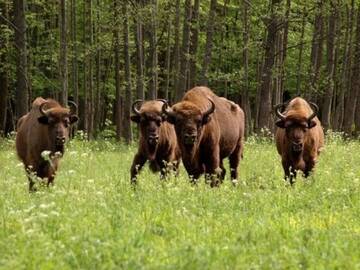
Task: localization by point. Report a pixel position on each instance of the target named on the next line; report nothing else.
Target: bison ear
(206, 119)
(280, 123)
(311, 124)
(43, 120)
(135, 118)
(73, 118)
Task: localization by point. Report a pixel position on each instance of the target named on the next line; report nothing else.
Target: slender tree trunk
(4, 80)
(316, 49)
(209, 42)
(180, 88)
(300, 57)
(350, 105)
(284, 48)
(245, 104)
(118, 97)
(176, 67)
(194, 43)
(327, 101)
(127, 108)
(63, 54)
(168, 60)
(139, 53)
(75, 76)
(265, 88)
(97, 99)
(153, 86)
(22, 84)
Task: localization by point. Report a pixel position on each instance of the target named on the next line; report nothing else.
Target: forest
(105, 54)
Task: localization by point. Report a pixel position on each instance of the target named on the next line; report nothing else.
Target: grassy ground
(93, 219)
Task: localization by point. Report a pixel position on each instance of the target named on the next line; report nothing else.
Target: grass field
(93, 219)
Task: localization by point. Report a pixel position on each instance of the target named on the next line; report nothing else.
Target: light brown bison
(299, 136)
(157, 142)
(208, 128)
(44, 128)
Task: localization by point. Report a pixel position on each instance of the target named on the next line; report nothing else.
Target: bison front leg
(288, 175)
(138, 163)
(212, 168)
(234, 159)
(309, 166)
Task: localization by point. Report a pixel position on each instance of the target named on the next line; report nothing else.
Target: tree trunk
(127, 108)
(139, 54)
(209, 42)
(194, 43)
(63, 54)
(97, 99)
(245, 101)
(168, 60)
(75, 76)
(265, 88)
(4, 80)
(22, 84)
(316, 49)
(176, 67)
(284, 48)
(153, 86)
(350, 105)
(300, 57)
(331, 39)
(117, 111)
(180, 88)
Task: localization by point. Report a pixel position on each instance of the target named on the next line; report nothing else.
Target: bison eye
(158, 122)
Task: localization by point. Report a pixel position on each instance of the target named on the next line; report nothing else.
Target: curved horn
(134, 109)
(315, 109)
(73, 106)
(41, 109)
(211, 109)
(277, 111)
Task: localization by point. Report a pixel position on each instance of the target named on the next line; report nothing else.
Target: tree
(265, 88)
(139, 51)
(118, 98)
(63, 54)
(181, 83)
(209, 43)
(3, 67)
(22, 84)
(194, 40)
(127, 107)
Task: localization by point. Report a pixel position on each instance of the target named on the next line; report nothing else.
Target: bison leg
(138, 163)
(212, 168)
(309, 167)
(223, 171)
(234, 159)
(287, 173)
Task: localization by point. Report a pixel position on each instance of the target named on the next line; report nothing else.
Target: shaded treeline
(104, 54)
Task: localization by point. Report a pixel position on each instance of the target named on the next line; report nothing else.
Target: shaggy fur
(216, 136)
(35, 135)
(162, 155)
(308, 138)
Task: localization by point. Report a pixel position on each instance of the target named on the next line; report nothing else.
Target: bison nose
(297, 146)
(60, 140)
(190, 138)
(153, 139)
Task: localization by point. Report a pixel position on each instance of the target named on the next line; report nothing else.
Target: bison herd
(201, 130)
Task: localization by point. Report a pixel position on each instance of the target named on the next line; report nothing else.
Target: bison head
(296, 127)
(188, 121)
(150, 118)
(58, 121)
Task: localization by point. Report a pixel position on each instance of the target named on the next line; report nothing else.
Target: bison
(208, 128)
(157, 142)
(44, 128)
(299, 136)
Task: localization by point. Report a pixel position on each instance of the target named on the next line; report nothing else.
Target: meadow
(93, 219)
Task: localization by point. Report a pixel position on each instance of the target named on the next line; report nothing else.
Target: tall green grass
(93, 219)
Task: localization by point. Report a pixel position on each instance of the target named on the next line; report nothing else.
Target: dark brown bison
(44, 128)
(208, 128)
(157, 142)
(299, 136)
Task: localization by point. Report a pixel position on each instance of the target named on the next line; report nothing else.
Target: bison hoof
(234, 182)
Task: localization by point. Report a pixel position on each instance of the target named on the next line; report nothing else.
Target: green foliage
(93, 219)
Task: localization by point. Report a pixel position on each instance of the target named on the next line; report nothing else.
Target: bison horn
(277, 111)
(41, 108)
(211, 109)
(134, 109)
(73, 106)
(315, 109)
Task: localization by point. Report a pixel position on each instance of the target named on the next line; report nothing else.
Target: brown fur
(312, 139)
(166, 153)
(218, 137)
(33, 138)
